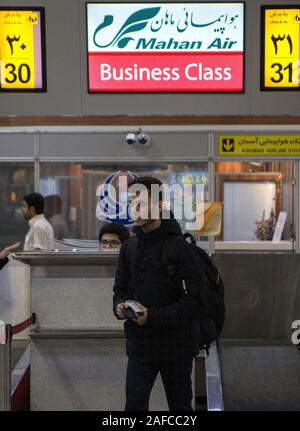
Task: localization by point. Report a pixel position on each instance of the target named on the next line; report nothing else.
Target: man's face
(144, 211)
(110, 240)
(25, 210)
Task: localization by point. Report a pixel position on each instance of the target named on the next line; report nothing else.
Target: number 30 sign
(22, 49)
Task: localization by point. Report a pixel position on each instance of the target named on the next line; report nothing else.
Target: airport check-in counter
(78, 359)
(260, 366)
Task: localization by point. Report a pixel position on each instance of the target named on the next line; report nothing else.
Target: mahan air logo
(135, 22)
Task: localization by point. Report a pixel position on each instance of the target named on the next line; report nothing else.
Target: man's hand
(7, 250)
(119, 311)
(140, 320)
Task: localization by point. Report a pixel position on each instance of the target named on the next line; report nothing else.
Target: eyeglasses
(113, 243)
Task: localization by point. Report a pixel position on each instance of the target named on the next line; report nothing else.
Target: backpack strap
(190, 236)
(167, 255)
(169, 245)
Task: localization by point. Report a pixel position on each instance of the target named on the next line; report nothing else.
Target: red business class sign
(169, 47)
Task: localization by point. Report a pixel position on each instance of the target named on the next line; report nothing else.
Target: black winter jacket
(168, 333)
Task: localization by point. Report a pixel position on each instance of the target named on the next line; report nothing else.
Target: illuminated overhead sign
(165, 47)
(259, 145)
(22, 49)
(280, 40)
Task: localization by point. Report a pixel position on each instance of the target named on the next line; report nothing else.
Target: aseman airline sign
(172, 47)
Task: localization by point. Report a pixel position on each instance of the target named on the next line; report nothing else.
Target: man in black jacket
(5, 253)
(162, 339)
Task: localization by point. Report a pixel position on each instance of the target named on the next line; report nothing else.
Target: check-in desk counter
(260, 366)
(262, 294)
(78, 359)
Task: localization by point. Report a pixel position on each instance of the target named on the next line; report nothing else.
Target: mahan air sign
(172, 47)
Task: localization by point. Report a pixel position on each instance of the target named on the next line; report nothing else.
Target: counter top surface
(94, 257)
(67, 258)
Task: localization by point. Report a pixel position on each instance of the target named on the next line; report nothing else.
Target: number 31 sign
(22, 49)
(280, 43)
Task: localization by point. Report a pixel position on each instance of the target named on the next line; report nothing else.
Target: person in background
(112, 235)
(53, 213)
(5, 253)
(40, 235)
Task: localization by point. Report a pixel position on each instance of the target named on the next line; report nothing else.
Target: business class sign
(165, 47)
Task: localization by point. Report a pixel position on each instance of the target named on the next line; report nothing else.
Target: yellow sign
(212, 219)
(245, 146)
(21, 49)
(281, 60)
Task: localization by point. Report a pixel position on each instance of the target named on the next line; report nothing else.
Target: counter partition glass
(73, 191)
(258, 205)
(16, 180)
(258, 199)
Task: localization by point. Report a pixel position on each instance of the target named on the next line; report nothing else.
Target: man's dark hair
(36, 201)
(115, 228)
(147, 182)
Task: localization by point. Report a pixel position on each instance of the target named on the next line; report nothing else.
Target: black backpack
(207, 326)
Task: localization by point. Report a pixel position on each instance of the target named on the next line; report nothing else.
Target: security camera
(143, 139)
(130, 138)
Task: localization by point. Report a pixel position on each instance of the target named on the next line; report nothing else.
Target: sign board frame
(258, 146)
(279, 70)
(107, 20)
(42, 65)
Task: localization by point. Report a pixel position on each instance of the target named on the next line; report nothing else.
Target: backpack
(207, 326)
